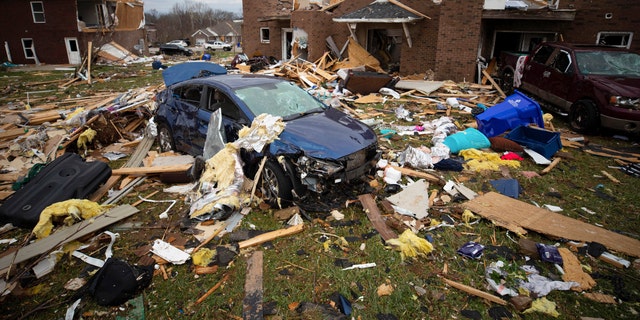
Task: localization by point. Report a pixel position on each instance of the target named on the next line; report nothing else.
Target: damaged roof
(385, 11)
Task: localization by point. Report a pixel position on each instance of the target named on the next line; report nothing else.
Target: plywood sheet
(517, 216)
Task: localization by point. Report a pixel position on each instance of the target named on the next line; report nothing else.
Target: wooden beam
(373, 213)
(141, 171)
(493, 82)
(252, 302)
(475, 292)
(270, 236)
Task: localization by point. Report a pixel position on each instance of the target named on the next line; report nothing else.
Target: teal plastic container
(467, 139)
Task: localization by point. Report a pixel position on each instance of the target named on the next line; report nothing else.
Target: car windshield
(283, 99)
(609, 63)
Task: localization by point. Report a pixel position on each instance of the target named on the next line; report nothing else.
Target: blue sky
(164, 6)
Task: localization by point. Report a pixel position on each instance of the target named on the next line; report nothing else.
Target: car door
(187, 119)
(232, 118)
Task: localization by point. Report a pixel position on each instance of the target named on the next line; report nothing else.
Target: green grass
(299, 269)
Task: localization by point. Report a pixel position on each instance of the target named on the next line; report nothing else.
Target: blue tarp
(189, 70)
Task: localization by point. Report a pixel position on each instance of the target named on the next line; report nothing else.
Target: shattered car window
(609, 63)
(283, 99)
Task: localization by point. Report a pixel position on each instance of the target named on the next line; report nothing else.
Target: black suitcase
(67, 177)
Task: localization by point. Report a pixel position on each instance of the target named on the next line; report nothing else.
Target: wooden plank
(493, 82)
(475, 292)
(141, 171)
(65, 235)
(270, 236)
(419, 174)
(252, 302)
(517, 216)
(373, 213)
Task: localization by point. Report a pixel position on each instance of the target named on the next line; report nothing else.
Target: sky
(164, 6)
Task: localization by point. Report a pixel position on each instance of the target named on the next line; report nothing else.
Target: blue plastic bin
(517, 109)
(467, 139)
(542, 141)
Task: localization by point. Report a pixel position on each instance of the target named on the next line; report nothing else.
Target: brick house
(227, 31)
(443, 36)
(58, 31)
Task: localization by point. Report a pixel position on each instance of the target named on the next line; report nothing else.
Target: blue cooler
(516, 110)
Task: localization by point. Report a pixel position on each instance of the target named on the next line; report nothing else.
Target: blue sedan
(319, 147)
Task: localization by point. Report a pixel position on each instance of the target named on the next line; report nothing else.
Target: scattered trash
(472, 250)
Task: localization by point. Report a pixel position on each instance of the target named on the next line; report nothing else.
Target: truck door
(533, 77)
(559, 81)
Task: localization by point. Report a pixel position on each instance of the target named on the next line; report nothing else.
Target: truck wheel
(584, 117)
(165, 139)
(227, 49)
(507, 82)
(275, 185)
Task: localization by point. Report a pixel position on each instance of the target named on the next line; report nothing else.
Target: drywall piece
(413, 200)
(424, 86)
(66, 234)
(517, 216)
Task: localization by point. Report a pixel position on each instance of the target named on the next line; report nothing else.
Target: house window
(37, 10)
(264, 35)
(617, 39)
(29, 50)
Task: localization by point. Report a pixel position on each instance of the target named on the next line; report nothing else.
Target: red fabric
(511, 156)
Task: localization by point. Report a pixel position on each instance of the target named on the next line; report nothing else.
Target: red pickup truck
(597, 86)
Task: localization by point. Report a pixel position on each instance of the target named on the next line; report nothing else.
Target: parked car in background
(597, 86)
(175, 49)
(179, 42)
(319, 147)
(217, 45)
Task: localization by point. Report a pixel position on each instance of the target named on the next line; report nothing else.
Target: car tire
(227, 49)
(507, 82)
(584, 117)
(165, 139)
(275, 185)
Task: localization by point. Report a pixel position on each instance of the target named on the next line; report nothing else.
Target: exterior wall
(16, 23)
(458, 40)
(253, 11)
(590, 19)
(447, 44)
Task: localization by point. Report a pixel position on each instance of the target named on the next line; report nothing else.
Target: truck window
(562, 61)
(542, 55)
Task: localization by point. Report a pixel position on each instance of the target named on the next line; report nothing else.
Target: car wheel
(584, 117)
(227, 49)
(165, 139)
(507, 82)
(275, 185)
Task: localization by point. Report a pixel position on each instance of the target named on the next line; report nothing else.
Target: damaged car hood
(327, 135)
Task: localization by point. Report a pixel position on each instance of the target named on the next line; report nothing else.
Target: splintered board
(517, 216)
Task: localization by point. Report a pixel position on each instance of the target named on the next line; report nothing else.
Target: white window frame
(264, 39)
(35, 13)
(629, 37)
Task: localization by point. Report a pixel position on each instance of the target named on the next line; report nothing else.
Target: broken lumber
(419, 174)
(373, 213)
(141, 171)
(550, 166)
(475, 292)
(214, 288)
(252, 302)
(270, 236)
(66, 234)
(493, 82)
(517, 216)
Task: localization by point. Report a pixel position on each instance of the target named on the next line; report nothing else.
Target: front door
(73, 53)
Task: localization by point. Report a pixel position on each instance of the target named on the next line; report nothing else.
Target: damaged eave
(542, 14)
(383, 11)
